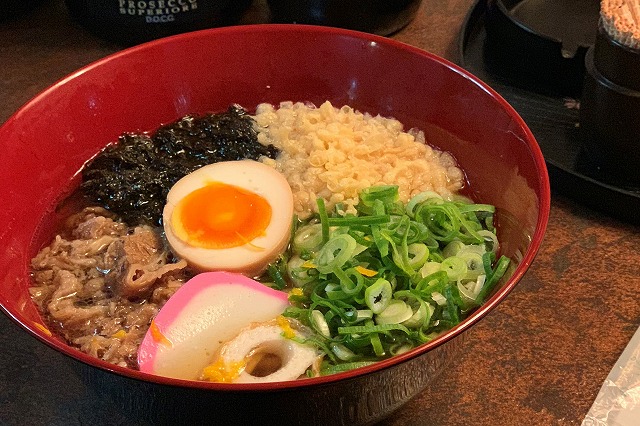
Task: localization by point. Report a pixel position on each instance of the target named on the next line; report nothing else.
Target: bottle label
(157, 11)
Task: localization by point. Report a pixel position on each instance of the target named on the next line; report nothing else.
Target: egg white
(249, 259)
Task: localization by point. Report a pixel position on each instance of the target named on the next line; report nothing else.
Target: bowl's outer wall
(47, 141)
(363, 400)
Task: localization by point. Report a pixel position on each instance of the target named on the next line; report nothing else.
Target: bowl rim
(471, 320)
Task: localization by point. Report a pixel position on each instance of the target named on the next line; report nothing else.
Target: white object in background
(618, 402)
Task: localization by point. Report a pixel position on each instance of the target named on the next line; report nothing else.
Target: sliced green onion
(453, 248)
(455, 267)
(339, 368)
(320, 323)
(473, 260)
(276, 275)
(356, 221)
(378, 239)
(441, 220)
(439, 298)
(308, 237)
(432, 283)
(365, 329)
(487, 260)
(429, 268)
(468, 294)
(453, 295)
(334, 292)
(467, 207)
(364, 314)
(421, 313)
(420, 198)
(361, 238)
(387, 194)
(378, 349)
(501, 268)
(396, 312)
(338, 307)
(453, 309)
(418, 255)
(324, 219)
(298, 274)
(391, 276)
(342, 352)
(419, 318)
(400, 348)
(378, 295)
(335, 253)
(490, 240)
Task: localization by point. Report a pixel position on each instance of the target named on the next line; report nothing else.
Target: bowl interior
(46, 142)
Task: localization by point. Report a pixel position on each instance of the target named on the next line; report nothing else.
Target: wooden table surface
(538, 359)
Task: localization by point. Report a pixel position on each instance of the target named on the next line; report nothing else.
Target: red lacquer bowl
(48, 140)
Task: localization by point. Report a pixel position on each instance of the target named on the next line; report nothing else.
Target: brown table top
(539, 358)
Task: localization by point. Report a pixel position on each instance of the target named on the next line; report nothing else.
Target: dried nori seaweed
(132, 178)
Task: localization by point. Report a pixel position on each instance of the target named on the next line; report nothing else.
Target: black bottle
(10, 9)
(381, 17)
(130, 22)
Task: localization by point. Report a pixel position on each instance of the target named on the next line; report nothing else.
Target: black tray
(554, 121)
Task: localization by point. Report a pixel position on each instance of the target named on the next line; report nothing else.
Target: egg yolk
(219, 216)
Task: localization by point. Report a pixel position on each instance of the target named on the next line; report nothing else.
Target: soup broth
(110, 270)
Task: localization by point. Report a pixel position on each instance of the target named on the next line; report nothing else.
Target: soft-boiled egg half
(230, 216)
